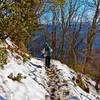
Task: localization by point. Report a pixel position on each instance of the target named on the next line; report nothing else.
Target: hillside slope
(32, 81)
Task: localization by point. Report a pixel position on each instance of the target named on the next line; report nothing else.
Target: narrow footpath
(55, 84)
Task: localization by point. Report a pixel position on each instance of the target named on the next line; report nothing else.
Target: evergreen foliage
(18, 18)
(3, 57)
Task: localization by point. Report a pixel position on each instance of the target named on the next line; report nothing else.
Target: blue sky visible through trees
(47, 17)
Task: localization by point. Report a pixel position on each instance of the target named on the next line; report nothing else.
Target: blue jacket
(47, 50)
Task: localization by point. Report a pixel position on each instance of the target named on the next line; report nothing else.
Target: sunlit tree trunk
(91, 35)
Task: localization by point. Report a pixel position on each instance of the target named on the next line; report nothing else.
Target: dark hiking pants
(47, 61)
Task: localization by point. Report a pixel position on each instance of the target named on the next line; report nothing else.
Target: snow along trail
(56, 84)
(67, 86)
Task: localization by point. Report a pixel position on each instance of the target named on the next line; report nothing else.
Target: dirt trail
(56, 83)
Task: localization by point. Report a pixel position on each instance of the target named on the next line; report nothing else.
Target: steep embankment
(21, 81)
(32, 81)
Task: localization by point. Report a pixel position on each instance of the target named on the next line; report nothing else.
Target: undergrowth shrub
(77, 68)
(3, 57)
(87, 75)
(16, 78)
(24, 52)
(24, 58)
(2, 41)
(95, 76)
(22, 47)
(21, 52)
(80, 83)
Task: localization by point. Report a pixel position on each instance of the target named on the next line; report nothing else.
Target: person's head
(46, 44)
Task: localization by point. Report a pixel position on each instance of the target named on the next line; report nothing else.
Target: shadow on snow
(1, 98)
(38, 66)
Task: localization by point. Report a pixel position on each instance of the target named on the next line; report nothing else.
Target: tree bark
(91, 35)
(63, 36)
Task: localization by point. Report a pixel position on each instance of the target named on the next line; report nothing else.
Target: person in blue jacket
(47, 54)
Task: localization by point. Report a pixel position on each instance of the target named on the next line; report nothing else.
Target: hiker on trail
(47, 54)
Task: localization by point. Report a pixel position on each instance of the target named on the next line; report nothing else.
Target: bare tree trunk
(70, 51)
(63, 36)
(91, 36)
(54, 34)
